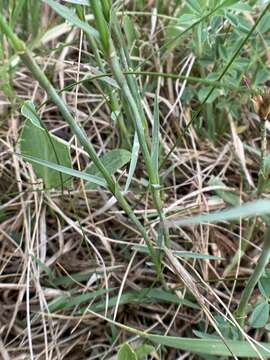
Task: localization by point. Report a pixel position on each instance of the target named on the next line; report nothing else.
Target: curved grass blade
(65, 170)
(72, 18)
(250, 209)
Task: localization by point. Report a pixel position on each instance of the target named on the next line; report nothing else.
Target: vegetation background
(134, 207)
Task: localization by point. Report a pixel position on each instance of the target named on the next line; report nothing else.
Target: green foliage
(36, 141)
(113, 161)
(264, 285)
(250, 209)
(213, 31)
(260, 315)
(72, 18)
(126, 353)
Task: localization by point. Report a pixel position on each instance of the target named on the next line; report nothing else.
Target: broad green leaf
(260, 315)
(113, 161)
(65, 170)
(72, 18)
(37, 141)
(264, 286)
(126, 353)
(144, 350)
(28, 110)
(249, 209)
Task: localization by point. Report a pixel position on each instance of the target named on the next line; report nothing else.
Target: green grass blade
(65, 170)
(133, 162)
(212, 346)
(155, 137)
(250, 209)
(71, 17)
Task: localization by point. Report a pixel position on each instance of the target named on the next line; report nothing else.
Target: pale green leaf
(113, 161)
(212, 346)
(126, 353)
(181, 254)
(144, 350)
(38, 142)
(134, 160)
(72, 18)
(264, 286)
(78, 2)
(250, 209)
(260, 315)
(62, 169)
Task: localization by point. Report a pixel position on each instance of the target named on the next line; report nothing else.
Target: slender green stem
(111, 94)
(113, 186)
(132, 100)
(253, 280)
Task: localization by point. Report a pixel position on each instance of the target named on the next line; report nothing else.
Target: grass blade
(250, 209)
(65, 170)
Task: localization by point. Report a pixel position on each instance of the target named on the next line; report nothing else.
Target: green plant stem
(113, 186)
(130, 95)
(253, 280)
(112, 96)
(265, 255)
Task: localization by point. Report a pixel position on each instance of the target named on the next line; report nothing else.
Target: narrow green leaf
(126, 353)
(36, 140)
(212, 346)
(145, 295)
(113, 161)
(250, 209)
(155, 137)
(183, 254)
(72, 18)
(79, 174)
(134, 160)
(69, 301)
(260, 315)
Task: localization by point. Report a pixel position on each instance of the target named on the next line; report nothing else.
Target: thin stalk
(112, 96)
(113, 186)
(253, 280)
(130, 95)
